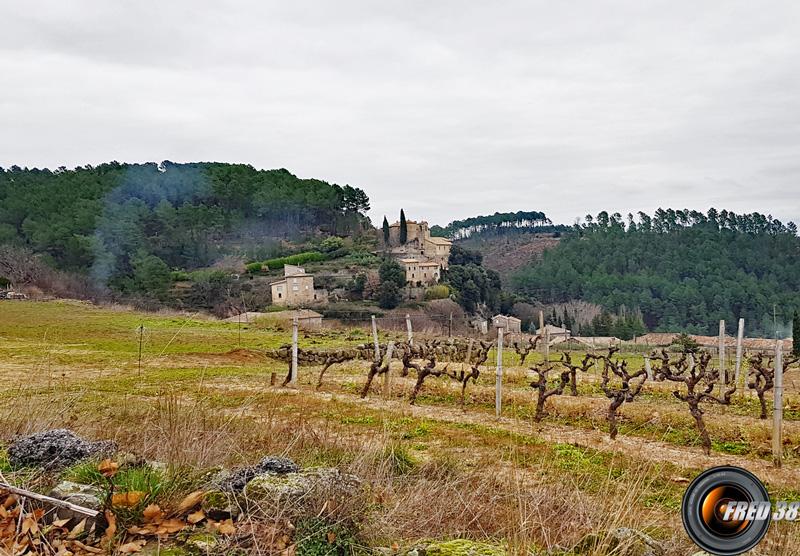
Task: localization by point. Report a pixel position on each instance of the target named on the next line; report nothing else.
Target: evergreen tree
(389, 295)
(385, 231)
(796, 334)
(403, 228)
(393, 279)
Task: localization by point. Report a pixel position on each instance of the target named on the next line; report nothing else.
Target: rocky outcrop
(297, 492)
(623, 541)
(54, 449)
(236, 479)
(86, 496)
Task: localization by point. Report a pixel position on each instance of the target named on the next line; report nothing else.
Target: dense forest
(497, 223)
(681, 269)
(116, 220)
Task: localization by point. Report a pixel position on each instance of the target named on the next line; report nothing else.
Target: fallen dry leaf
(170, 526)
(87, 548)
(111, 529)
(60, 522)
(127, 499)
(131, 547)
(190, 501)
(153, 513)
(77, 530)
(108, 468)
(196, 517)
(226, 527)
(29, 526)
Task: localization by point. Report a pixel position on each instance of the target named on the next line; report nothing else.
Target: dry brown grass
(451, 494)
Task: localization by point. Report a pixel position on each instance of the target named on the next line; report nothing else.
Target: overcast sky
(448, 109)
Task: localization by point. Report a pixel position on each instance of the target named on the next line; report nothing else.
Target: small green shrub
(254, 268)
(5, 466)
(320, 537)
(731, 447)
(298, 259)
(439, 291)
(330, 244)
(399, 459)
(134, 478)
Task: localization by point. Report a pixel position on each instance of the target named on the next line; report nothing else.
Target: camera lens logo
(726, 510)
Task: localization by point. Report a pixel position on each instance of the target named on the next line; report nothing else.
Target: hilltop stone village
(422, 256)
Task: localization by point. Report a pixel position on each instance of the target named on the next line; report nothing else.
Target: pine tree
(796, 334)
(385, 231)
(403, 228)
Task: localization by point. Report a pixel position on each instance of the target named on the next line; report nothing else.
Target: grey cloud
(449, 109)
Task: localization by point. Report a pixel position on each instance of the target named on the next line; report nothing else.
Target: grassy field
(201, 397)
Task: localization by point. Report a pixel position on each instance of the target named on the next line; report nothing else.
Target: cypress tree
(796, 334)
(385, 231)
(403, 228)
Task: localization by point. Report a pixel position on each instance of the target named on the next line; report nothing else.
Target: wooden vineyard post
(375, 340)
(387, 376)
(777, 407)
(498, 390)
(648, 368)
(293, 376)
(547, 347)
(409, 330)
(737, 374)
(723, 372)
(141, 334)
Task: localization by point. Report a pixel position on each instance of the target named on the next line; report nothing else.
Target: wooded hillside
(683, 269)
(109, 219)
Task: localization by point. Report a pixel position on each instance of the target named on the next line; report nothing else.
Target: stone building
(419, 243)
(295, 289)
(421, 272)
(508, 323)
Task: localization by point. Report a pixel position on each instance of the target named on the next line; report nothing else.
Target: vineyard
(622, 431)
(691, 373)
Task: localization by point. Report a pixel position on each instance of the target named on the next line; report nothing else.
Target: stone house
(296, 288)
(554, 332)
(508, 323)
(419, 243)
(421, 272)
